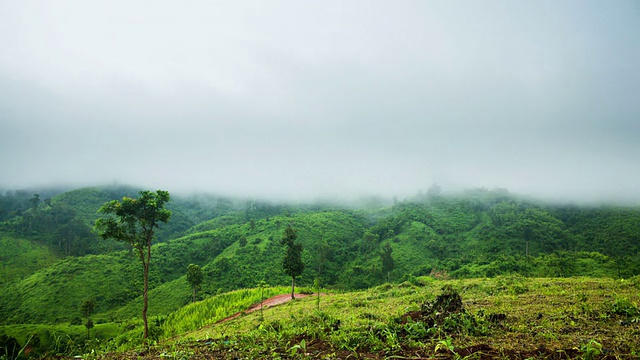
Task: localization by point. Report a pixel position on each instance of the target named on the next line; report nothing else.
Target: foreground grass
(504, 317)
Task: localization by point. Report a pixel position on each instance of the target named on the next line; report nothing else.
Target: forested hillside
(52, 260)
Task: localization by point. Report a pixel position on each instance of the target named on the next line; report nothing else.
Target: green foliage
(9, 347)
(591, 350)
(134, 222)
(87, 307)
(194, 278)
(481, 234)
(209, 311)
(387, 259)
(624, 307)
(21, 257)
(381, 322)
(49, 340)
(53, 294)
(292, 262)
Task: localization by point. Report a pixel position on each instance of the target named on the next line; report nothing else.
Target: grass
(504, 317)
(208, 312)
(163, 299)
(21, 257)
(52, 295)
(61, 339)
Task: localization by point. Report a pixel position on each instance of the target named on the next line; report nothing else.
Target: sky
(323, 99)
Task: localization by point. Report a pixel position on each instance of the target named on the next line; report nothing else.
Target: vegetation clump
(446, 303)
(444, 315)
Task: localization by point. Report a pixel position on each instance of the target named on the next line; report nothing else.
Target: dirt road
(273, 301)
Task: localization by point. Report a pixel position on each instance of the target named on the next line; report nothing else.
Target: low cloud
(336, 100)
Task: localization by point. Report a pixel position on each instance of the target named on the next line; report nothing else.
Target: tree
(434, 191)
(134, 221)
(262, 284)
(387, 260)
(292, 262)
(194, 277)
(86, 309)
(35, 201)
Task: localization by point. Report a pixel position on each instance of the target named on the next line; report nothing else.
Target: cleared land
(504, 317)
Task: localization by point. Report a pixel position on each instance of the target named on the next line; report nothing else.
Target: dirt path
(273, 301)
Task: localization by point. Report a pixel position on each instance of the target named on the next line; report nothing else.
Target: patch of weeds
(624, 307)
(582, 297)
(383, 288)
(369, 316)
(415, 330)
(358, 303)
(512, 284)
(446, 346)
(406, 284)
(349, 340)
(300, 347)
(591, 350)
(445, 314)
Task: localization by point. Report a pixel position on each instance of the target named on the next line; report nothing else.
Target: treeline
(64, 220)
(56, 224)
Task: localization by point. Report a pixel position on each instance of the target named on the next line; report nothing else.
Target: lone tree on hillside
(86, 309)
(292, 262)
(387, 260)
(134, 221)
(194, 277)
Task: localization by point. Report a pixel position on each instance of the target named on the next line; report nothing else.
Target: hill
(22, 257)
(503, 317)
(237, 243)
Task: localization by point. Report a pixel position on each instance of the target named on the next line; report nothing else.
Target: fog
(331, 99)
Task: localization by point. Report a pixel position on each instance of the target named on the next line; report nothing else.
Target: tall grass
(207, 312)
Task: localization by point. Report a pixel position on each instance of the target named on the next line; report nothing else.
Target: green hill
(52, 261)
(21, 257)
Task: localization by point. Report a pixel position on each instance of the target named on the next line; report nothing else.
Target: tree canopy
(134, 221)
(292, 262)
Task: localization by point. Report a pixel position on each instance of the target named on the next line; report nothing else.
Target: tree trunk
(145, 293)
(293, 285)
(194, 293)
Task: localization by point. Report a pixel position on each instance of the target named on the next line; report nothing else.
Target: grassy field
(21, 257)
(503, 317)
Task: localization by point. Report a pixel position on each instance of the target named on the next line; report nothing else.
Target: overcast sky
(306, 99)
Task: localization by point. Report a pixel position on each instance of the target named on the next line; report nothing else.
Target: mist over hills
(323, 100)
(335, 118)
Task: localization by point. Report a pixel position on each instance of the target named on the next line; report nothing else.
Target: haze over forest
(300, 100)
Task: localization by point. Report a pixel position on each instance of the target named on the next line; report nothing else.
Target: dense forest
(52, 260)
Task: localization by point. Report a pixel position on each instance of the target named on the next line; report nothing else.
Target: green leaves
(194, 278)
(134, 220)
(292, 262)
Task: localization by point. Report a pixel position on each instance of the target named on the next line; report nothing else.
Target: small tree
(134, 221)
(387, 260)
(316, 284)
(194, 277)
(86, 309)
(292, 262)
(262, 284)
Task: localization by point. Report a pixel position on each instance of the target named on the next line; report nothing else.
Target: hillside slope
(237, 243)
